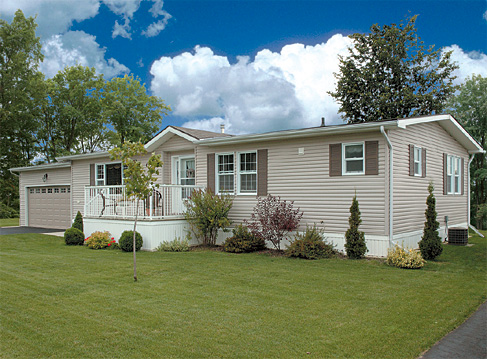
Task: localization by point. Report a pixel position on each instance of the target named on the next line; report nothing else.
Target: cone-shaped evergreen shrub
(430, 244)
(78, 222)
(354, 239)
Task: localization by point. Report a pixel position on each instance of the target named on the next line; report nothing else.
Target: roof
(448, 122)
(48, 166)
(201, 134)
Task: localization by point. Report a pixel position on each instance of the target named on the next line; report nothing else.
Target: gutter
(391, 188)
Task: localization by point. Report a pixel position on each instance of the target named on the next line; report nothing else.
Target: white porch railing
(112, 202)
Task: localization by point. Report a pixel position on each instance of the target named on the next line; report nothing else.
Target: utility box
(458, 236)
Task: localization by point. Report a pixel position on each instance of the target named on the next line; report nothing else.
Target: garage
(49, 207)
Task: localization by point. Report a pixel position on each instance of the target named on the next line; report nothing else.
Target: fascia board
(41, 167)
(166, 135)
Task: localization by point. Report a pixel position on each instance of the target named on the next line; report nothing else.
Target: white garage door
(49, 207)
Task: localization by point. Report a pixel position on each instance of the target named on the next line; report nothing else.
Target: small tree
(273, 218)
(139, 182)
(354, 239)
(430, 244)
(206, 213)
(78, 221)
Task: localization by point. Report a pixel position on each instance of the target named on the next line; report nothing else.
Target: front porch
(112, 202)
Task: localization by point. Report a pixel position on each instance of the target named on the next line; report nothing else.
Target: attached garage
(49, 207)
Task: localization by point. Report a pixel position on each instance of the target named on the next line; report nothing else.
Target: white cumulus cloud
(278, 90)
(77, 47)
(53, 16)
(469, 63)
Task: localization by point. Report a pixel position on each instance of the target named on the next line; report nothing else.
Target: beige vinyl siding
(175, 146)
(56, 176)
(305, 179)
(410, 192)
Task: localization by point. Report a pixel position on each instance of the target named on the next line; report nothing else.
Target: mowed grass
(71, 302)
(9, 222)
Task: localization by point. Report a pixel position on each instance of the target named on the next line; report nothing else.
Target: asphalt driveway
(22, 230)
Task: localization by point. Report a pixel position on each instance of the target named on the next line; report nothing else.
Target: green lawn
(71, 302)
(9, 222)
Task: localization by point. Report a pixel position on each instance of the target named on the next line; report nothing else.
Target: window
(353, 158)
(31, 190)
(418, 166)
(247, 172)
(56, 190)
(225, 173)
(38, 190)
(69, 189)
(453, 178)
(63, 190)
(100, 175)
(109, 174)
(49, 190)
(43, 190)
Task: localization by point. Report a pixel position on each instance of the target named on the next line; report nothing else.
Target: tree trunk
(135, 226)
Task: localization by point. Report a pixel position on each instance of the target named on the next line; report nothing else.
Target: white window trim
(452, 162)
(104, 164)
(217, 174)
(239, 172)
(176, 166)
(418, 161)
(344, 161)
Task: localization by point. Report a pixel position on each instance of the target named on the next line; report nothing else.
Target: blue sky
(253, 65)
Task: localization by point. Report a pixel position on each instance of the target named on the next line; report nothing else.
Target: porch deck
(112, 202)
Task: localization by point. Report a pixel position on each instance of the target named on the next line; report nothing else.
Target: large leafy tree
(71, 120)
(469, 106)
(20, 80)
(390, 74)
(134, 114)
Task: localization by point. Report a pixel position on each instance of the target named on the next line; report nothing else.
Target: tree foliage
(130, 110)
(20, 55)
(430, 244)
(273, 218)
(390, 74)
(469, 106)
(354, 239)
(139, 181)
(207, 213)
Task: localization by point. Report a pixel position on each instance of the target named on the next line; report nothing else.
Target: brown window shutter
(92, 174)
(262, 172)
(423, 162)
(445, 173)
(371, 157)
(335, 166)
(462, 189)
(210, 175)
(411, 160)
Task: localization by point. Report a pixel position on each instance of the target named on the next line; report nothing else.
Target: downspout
(391, 182)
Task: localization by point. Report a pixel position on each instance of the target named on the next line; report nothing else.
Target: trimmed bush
(310, 245)
(177, 245)
(74, 237)
(354, 239)
(430, 243)
(99, 240)
(127, 239)
(8, 212)
(243, 241)
(78, 221)
(404, 258)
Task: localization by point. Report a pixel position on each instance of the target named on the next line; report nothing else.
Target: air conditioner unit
(458, 236)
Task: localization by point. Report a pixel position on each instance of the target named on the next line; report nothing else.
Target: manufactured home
(388, 165)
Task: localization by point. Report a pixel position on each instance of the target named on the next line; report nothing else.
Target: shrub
(430, 243)
(74, 237)
(126, 241)
(206, 213)
(354, 239)
(310, 245)
(78, 221)
(243, 241)
(481, 216)
(404, 258)
(177, 245)
(273, 218)
(8, 212)
(99, 240)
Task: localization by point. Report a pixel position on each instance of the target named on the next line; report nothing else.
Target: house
(388, 165)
